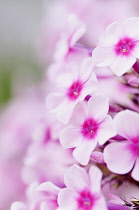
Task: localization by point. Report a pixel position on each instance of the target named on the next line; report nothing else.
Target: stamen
(124, 50)
(87, 203)
(75, 93)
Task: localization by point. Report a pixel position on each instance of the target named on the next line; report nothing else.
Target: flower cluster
(77, 147)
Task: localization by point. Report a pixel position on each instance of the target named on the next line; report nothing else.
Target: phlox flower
(122, 157)
(46, 160)
(119, 46)
(73, 32)
(40, 197)
(71, 87)
(82, 190)
(89, 124)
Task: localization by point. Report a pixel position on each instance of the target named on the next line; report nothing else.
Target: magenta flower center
(89, 128)
(125, 46)
(134, 148)
(85, 200)
(75, 90)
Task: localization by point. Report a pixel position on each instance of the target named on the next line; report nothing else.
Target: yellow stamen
(124, 50)
(75, 93)
(86, 203)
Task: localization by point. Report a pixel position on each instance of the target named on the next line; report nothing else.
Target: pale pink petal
(127, 124)
(131, 27)
(48, 187)
(64, 80)
(18, 206)
(135, 51)
(67, 199)
(53, 101)
(106, 130)
(114, 32)
(100, 204)
(89, 87)
(103, 56)
(65, 113)
(135, 172)
(118, 158)
(79, 114)
(77, 35)
(83, 151)
(76, 178)
(86, 69)
(122, 64)
(95, 175)
(70, 137)
(98, 107)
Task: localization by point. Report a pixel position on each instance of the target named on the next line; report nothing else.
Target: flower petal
(131, 27)
(135, 172)
(103, 56)
(18, 206)
(98, 107)
(76, 178)
(122, 64)
(79, 114)
(48, 187)
(129, 128)
(70, 137)
(83, 151)
(106, 130)
(113, 33)
(67, 200)
(118, 158)
(95, 179)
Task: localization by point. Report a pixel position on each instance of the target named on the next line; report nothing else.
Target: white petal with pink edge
(76, 178)
(83, 151)
(118, 158)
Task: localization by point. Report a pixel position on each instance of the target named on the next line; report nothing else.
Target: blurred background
(19, 29)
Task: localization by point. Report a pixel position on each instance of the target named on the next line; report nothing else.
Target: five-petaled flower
(83, 190)
(89, 124)
(119, 46)
(72, 87)
(121, 157)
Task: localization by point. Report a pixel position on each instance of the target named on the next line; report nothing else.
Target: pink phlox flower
(119, 46)
(83, 190)
(74, 31)
(122, 157)
(46, 161)
(72, 87)
(40, 197)
(89, 124)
